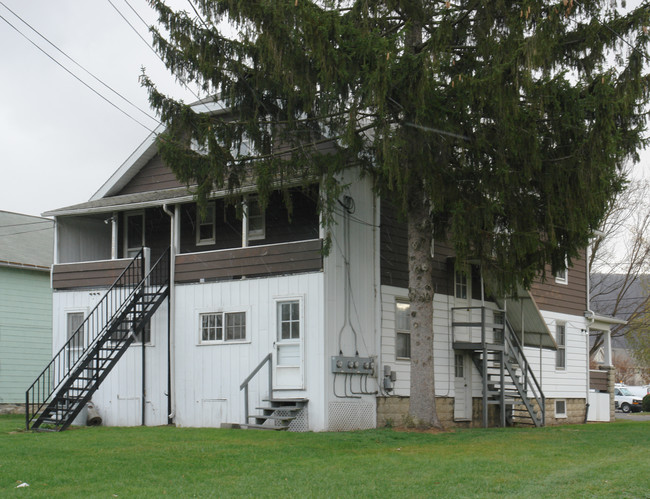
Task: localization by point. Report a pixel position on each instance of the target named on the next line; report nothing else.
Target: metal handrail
(244, 385)
(73, 350)
(518, 351)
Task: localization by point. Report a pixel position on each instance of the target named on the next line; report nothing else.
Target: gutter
(171, 320)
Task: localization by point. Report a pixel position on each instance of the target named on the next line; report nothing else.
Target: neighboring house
(246, 317)
(26, 244)
(626, 298)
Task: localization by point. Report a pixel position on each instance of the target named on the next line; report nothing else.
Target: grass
(596, 460)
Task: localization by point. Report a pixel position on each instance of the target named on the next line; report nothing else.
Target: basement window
(560, 409)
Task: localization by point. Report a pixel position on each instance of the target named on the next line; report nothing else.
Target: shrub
(645, 403)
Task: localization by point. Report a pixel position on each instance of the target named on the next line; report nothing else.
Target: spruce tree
(501, 126)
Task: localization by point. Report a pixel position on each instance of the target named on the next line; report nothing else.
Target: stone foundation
(392, 411)
(12, 408)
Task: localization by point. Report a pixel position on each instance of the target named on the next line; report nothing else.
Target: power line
(26, 223)
(75, 76)
(79, 65)
(153, 50)
(25, 231)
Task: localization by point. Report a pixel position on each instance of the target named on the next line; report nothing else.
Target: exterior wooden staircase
(68, 382)
(508, 381)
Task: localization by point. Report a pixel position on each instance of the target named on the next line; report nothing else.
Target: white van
(625, 400)
(639, 391)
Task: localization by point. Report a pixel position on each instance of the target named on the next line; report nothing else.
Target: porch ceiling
(523, 311)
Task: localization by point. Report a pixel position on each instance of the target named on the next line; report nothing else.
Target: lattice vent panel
(345, 416)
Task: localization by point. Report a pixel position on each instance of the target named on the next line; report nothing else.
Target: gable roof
(26, 241)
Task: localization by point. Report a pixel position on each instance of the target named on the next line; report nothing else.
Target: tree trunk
(422, 408)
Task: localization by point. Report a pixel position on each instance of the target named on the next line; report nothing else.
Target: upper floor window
(561, 275)
(205, 233)
(560, 339)
(256, 218)
(402, 330)
(460, 285)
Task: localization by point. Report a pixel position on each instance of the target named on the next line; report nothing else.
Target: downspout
(590, 316)
(171, 364)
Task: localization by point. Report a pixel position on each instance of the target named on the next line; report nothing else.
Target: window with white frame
(134, 233)
(289, 320)
(560, 339)
(459, 365)
(256, 218)
(561, 275)
(560, 409)
(219, 327)
(205, 227)
(74, 322)
(402, 329)
(460, 285)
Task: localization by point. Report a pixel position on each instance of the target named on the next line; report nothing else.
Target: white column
(114, 242)
(244, 224)
(608, 347)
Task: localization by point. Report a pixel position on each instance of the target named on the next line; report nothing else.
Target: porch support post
(244, 224)
(608, 347)
(114, 220)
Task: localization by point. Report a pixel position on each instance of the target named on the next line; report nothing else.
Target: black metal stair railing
(528, 384)
(78, 368)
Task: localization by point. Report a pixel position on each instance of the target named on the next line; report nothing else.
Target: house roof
(26, 241)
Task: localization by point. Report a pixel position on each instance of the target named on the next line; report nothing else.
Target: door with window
(289, 361)
(462, 387)
(133, 233)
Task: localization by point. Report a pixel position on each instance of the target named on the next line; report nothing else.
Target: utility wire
(183, 82)
(79, 65)
(75, 76)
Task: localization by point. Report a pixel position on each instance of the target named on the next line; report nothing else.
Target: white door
(462, 387)
(289, 362)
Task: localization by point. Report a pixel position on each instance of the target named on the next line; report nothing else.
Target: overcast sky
(59, 142)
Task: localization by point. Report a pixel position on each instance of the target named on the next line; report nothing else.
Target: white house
(245, 321)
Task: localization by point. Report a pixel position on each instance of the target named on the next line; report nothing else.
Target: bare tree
(620, 262)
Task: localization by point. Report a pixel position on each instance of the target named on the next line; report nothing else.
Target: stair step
(283, 408)
(273, 417)
(263, 427)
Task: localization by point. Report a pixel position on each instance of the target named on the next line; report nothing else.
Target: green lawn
(596, 460)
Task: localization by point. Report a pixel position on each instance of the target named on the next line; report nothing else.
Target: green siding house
(26, 246)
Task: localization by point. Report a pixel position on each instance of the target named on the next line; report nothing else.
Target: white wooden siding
(556, 383)
(208, 376)
(83, 239)
(119, 398)
(352, 413)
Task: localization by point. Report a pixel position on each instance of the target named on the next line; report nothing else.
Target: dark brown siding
(87, 274)
(394, 247)
(598, 380)
(289, 258)
(227, 228)
(153, 176)
(568, 298)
